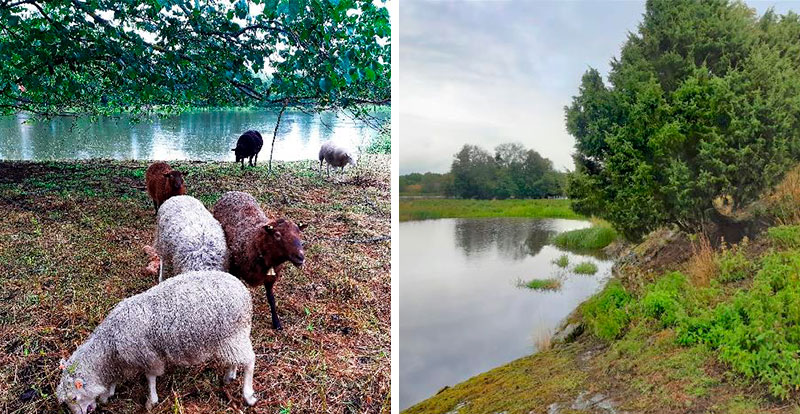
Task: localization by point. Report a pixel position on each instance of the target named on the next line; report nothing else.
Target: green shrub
(606, 313)
(664, 300)
(562, 261)
(585, 268)
(787, 237)
(592, 238)
(733, 265)
(758, 332)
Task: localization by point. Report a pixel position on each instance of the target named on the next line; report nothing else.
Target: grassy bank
(424, 209)
(695, 331)
(71, 238)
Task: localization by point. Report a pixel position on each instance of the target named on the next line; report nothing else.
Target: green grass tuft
(585, 268)
(592, 238)
(542, 284)
(787, 237)
(562, 261)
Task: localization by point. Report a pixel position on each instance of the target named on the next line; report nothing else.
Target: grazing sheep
(334, 155)
(163, 182)
(187, 320)
(257, 246)
(248, 145)
(188, 238)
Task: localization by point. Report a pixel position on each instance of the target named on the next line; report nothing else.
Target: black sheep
(248, 145)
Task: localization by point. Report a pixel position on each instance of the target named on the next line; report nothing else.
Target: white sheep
(189, 238)
(334, 155)
(186, 320)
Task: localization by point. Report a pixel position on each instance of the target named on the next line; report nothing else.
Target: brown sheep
(163, 182)
(258, 246)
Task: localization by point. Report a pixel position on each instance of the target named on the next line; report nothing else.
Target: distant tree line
(426, 184)
(511, 172)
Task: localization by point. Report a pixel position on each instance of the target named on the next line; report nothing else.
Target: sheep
(163, 182)
(248, 145)
(258, 246)
(188, 238)
(334, 155)
(187, 320)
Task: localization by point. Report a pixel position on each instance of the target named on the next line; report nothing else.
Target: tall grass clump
(606, 313)
(593, 238)
(702, 266)
(782, 202)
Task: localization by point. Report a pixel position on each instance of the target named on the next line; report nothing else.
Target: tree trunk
(275, 134)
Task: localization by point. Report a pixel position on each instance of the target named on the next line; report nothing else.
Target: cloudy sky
(488, 72)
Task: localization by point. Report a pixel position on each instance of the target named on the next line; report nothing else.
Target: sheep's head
(350, 159)
(77, 390)
(176, 183)
(284, 240)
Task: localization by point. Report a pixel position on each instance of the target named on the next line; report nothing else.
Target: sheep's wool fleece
(185, 320)
(242, 218)
(189, 238)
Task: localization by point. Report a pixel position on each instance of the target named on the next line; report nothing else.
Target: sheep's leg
(152, 399)
(329, 171)
(255, 161)
(108, 394)
(160, 271)
(250, 161)
(247, 384)
(230, 375)
(320, 168)
(155, 206)
(243, 163)
(276, 323)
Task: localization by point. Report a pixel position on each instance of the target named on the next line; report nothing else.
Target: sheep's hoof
(251, 399)
(150, 404)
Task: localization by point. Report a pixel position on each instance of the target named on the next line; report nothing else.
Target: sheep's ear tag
(271, 271)
(269, 228)
(302, 226)
(78, 384)
(61, 365)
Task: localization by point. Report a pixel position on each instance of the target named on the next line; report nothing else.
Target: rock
(28, 395)
(568, 333)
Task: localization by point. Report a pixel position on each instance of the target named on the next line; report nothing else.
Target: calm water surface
(196, 135)
(461, 312)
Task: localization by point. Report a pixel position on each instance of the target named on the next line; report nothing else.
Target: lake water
(461, 312)
(206, 135)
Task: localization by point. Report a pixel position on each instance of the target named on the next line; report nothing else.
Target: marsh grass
(702, 266)
(540, 284)
(436, 208)
(585, 268)
(562, 261)
(71, 247)
(593, 238)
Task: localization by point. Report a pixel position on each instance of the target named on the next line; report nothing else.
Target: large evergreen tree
(703, 104)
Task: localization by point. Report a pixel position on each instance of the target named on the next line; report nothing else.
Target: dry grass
(71, 238)
(543, 340)
(702, 266)
(785, 197)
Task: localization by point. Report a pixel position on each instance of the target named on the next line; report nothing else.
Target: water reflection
(461, 312)
(196, 135)
(512, 238)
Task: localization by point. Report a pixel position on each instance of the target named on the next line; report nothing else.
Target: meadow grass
(71, 246)
(430, 208)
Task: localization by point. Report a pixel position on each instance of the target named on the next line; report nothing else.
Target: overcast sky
(488, 72)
